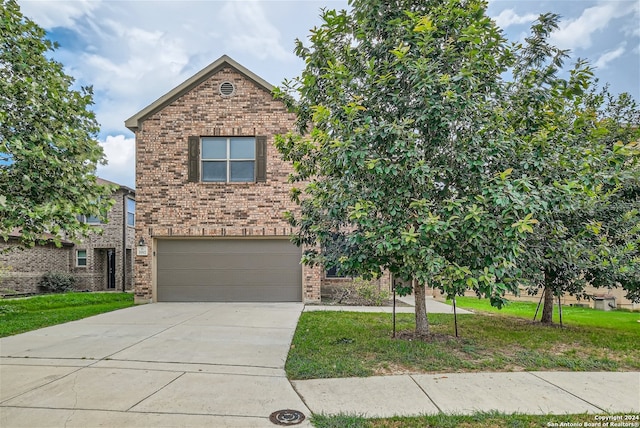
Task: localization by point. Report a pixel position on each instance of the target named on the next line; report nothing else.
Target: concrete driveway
(158, 365)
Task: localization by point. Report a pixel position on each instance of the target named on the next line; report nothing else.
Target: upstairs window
(89, 219)
(131, 212)
(227, 159)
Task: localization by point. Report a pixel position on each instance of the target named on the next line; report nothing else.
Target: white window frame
(89, 219)
(85, 258)
(227, 160)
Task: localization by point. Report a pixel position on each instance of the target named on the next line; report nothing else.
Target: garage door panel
(215, 277)
(248, 270)
(226, 294)
(227, 261)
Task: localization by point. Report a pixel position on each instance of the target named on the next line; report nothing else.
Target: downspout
(124, 240)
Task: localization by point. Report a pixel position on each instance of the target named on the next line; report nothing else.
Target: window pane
(214, 171)
(131, 212)
(81, 258)
(214, 148)
(333, 273)
(93, 219)
(243, 148)
(242, 171)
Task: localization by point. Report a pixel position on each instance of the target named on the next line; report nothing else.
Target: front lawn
(21, 315)
(346, 344)
(571, 315)
(478, 420)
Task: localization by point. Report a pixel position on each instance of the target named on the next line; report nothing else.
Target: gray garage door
(228, 270)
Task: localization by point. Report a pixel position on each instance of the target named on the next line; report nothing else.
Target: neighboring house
(211, 193)
(96, 262)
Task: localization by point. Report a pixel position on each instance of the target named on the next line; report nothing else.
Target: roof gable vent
(227, 89)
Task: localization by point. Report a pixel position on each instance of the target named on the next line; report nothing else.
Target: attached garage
(228, 270)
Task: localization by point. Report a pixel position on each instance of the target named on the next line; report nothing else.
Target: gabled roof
(120, 186)
(133, 123)
(16, 233)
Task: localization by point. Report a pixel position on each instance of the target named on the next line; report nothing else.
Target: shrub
(362, 292)
(57, 282)
(4, 270)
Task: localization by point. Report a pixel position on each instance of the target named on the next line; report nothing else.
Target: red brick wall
(169, 205)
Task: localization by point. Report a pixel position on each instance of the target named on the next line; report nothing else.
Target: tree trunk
(422, 322)
(547, 309)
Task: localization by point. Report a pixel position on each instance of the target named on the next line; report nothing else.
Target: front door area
(111, 269)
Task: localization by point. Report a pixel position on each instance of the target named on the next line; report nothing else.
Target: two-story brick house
(101, 261)
(211, 193)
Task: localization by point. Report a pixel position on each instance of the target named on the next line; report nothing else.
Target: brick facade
(26, 267)
(168, 205)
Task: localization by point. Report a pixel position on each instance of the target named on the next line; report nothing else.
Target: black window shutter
(261, 159)
(194, 159)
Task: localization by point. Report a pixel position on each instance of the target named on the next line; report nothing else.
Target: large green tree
(578, 147)
(618, 262)
(413, 155)
(48, 149)
(399, 145)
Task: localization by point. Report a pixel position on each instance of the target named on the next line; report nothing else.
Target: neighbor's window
(89, 219)
(333, 273)
(228, 159)
(81, 258)
(131, 212)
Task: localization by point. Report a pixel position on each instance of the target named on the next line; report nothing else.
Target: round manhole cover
(286, 417)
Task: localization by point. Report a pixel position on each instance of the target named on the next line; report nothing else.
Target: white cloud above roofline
(120, 152)
(609, 56)
(50, 14)
(578, 33)
(509, 17)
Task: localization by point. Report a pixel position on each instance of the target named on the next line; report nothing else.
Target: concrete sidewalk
(464, 393)
(433, 307)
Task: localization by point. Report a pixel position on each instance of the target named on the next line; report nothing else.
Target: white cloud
(51, 14)
(609, 56)
(149, 64)
(577, 33)
(632, 29)
(120, 151)
(509, 17)
(258, 37)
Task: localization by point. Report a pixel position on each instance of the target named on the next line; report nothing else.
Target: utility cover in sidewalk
(286, 417)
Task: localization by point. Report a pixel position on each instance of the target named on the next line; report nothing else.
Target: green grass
(571, 315)
(347, 344)
(484, 420)
(21, 315)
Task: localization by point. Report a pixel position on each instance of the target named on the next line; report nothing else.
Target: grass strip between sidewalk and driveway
(352, 344)
(26, 314)
(477, 420)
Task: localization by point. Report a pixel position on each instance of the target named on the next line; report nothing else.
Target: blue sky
(132, 52)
